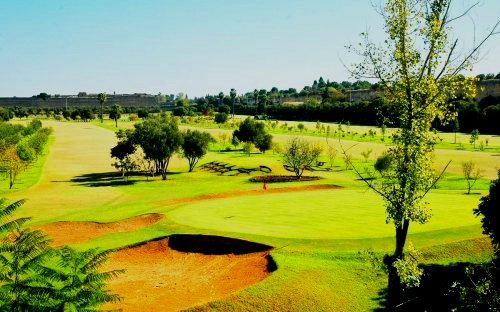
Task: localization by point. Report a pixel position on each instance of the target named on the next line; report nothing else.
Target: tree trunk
(394, 282)
(102, 117)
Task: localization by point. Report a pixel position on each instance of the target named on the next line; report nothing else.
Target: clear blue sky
(191, 46)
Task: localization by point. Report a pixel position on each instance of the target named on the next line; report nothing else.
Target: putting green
(332, 214)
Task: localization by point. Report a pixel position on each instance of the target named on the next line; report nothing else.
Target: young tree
(299, 155)
(195, 146)
(366, 154)
(102, 97)
(331, 153)
(159, 138)
(418, 68)
(12, 164)
(115, 113)
(471, 174)
(474, 136)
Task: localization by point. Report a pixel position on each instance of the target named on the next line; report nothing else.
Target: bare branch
(435, 180)
(463, 14)
(476, 48)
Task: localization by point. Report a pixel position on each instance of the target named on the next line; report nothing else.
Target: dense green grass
(316, 234)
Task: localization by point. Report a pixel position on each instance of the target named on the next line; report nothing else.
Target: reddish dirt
(159, 278)
(70, 232)
(248, 192)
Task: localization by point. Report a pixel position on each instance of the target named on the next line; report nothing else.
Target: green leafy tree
(159, 138)
(102, 98)
(123, 151)
(195, 146)
(418, 69)
(474, 136)
(249, 130)
(299, 155)
(264, 142)
(115, 113)
(220, 118)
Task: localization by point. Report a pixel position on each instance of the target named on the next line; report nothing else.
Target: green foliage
(418, 79)
(471, 174)
(36, 277)
(115, 113)
(20, 146)
(474, 136)
(264, 142)
(221, 117)
(123, 152)
(489, 210)
(22, 254)
(407, 268)
(159, 138)
(77, 282)
(195, 146)
(254, 132)
(299, 155)
(102, 98)
(383, 163)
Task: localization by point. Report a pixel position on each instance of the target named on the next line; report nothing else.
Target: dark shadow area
(214, 245)
(104, 179)
(113, 178)
(435, 292)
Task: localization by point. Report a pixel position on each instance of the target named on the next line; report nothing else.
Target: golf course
(207, 240)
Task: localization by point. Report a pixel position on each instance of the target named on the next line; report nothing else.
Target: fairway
(316, 227)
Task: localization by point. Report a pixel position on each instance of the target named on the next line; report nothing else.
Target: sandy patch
(159, 277)
(70, 232)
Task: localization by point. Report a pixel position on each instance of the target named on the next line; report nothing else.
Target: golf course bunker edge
(180, 271)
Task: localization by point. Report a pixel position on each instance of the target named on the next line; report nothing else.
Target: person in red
(264, 186)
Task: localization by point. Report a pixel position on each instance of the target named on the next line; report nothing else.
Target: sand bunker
(70, 232)
(181, 271)
(248, 192)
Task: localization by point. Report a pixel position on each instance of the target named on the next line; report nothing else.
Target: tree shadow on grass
(115, 178)
(104, 179)
(435, 292)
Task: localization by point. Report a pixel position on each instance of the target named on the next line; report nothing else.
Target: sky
(196, 47)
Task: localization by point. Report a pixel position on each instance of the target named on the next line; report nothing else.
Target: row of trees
(37, 277)
(151, 144)
(20, 146)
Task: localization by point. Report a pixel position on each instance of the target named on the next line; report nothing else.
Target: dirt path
(248, 193)
(68, 232)
(159, 278)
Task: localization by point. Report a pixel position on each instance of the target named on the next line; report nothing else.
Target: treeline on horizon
(323, 101)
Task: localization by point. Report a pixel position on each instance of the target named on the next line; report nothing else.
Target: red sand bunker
(70, 232)
(162, 277)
